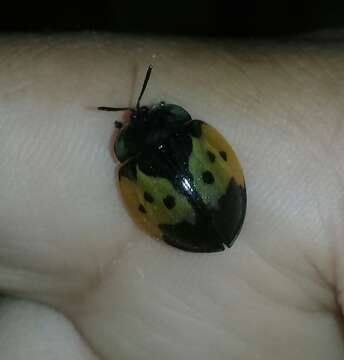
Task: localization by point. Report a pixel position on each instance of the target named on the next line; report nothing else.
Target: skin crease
(67, 241)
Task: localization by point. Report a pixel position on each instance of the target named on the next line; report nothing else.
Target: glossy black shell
(180, 179)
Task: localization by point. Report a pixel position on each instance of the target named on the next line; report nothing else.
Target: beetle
(180, 179)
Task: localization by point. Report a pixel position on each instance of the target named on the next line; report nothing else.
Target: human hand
(67, 240)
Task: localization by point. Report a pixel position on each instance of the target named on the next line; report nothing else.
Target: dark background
(203, 17)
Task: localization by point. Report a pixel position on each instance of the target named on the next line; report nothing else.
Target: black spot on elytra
(223, 155)
(169, 202)
(142, 209)
(148, 197)
(211, 156)
(208, 177)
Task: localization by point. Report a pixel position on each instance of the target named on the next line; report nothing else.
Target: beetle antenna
(145, 82)
(106, 108)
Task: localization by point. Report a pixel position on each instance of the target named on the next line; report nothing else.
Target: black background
(203, 17)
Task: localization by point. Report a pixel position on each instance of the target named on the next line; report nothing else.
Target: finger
(36, 332)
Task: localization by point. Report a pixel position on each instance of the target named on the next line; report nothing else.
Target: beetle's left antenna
(145, 82)
(106, 108)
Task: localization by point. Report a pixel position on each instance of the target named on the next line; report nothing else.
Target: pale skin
(68, 242)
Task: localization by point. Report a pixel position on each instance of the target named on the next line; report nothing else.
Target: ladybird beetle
(180, 179)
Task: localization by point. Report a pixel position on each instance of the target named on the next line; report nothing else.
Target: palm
(273, 295)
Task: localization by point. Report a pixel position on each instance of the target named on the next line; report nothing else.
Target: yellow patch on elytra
(159, 188)
(212, 137)
(155, 211)
(199, 164)
(129, 190)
